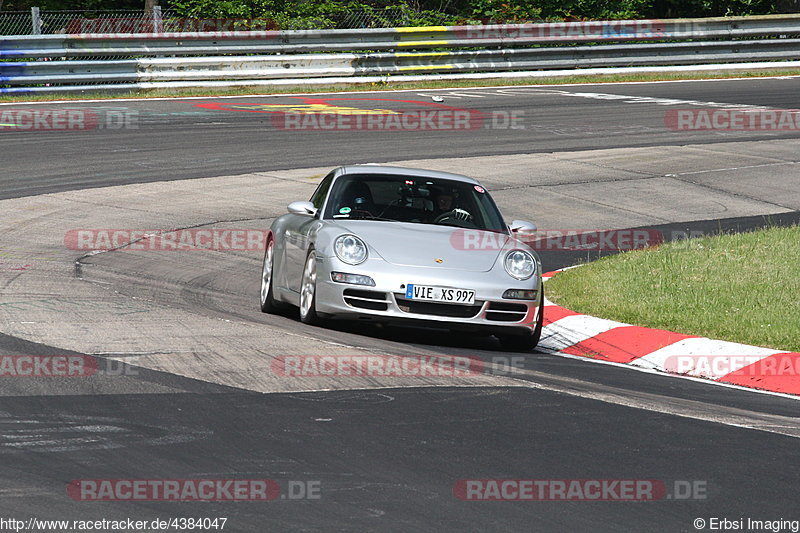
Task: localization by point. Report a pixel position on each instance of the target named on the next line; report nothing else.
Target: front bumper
(385, 302)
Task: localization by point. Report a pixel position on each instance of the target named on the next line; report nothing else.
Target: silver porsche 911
(400, 244)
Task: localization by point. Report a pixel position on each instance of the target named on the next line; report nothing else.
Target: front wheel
(525, 343)
(268, 302)
(308, 291)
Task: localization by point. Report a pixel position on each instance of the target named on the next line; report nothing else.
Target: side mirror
(302, 208)
(522, 226)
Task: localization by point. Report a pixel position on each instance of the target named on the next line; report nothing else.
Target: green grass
(395, 84)
(741, 287)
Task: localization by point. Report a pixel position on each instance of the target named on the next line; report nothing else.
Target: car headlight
(350, 249)
(519, 264)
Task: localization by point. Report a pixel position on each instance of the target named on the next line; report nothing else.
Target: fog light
(353, 279)
(520, 294)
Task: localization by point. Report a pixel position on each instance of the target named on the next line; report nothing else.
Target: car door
(299, 234)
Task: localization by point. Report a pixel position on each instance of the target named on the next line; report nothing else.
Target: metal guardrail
(254, 42)
(345, 64)
(766, 38)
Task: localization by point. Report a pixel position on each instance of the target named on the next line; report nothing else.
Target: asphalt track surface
(387, 459)
(177, 139)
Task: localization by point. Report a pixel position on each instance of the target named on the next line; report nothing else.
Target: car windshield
(400, 198)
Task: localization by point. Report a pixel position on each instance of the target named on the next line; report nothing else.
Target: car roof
(403, 171)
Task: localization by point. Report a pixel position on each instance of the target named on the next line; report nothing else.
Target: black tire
(308, 291)
(267, 299)
(525, 343)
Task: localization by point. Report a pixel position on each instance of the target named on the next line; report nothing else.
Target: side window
(318, 198)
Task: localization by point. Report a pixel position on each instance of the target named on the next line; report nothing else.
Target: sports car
(393, 244)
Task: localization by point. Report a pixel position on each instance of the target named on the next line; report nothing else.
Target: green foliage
(212, 8)
(52, 5)
(526, 10)
(328, 13)
(506, 10)
(375, 13)
(289, 14)
(426, 17)
(600, 9)
(713, 8)
(748, 7)
(285, 21)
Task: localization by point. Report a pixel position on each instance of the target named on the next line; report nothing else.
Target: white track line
(389, 91)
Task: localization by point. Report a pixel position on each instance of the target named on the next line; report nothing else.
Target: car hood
(426, 245)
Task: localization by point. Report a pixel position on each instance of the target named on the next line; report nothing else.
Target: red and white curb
(575, 334)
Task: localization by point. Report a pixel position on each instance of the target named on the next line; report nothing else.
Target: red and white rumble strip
(572, 333)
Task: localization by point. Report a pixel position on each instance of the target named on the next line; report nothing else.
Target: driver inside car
(444, 207)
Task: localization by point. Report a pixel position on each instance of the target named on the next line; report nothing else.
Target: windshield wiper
(454, 226)
(378, 218)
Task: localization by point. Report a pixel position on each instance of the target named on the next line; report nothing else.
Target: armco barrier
(219, 56)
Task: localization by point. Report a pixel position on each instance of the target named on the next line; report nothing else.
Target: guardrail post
(36, 21)
(158, 21)
(724, 40)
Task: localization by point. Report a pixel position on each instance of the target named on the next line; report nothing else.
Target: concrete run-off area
(194, 313)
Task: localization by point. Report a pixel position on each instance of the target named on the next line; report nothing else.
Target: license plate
(440, 294)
